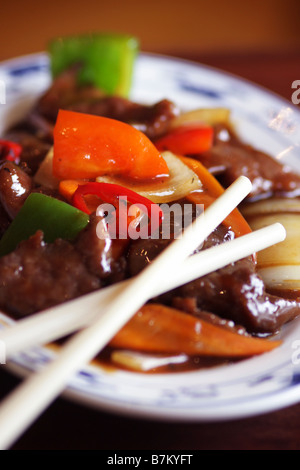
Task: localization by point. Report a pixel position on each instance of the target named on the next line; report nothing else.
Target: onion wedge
(44, 175)
(181, 182)
(211, 116)
(142, 362)
(279, 265)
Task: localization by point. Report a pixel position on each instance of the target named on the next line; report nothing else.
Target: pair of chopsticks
(171, 268)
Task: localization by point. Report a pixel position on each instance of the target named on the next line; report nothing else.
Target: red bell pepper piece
(188, 139)
(87, 146)
(112, 194)
(10, 151)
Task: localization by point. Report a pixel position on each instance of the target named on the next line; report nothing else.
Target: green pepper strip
(107, 60)
(55, 218)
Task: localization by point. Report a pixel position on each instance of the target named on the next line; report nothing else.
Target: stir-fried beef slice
(103, 256)
(142, 252)
(37, 275)
(236, 292)
(152, 120)
(65, 93)
(15, 186)
(229, 158)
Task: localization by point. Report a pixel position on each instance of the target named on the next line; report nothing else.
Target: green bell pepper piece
(55, 218)
(107, 60)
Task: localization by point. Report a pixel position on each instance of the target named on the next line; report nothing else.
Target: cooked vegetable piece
(67, 188)
(55, 218)
(162, 329)
(273, 205)
(86, 146)
(44, 175)
(210, 116)
(107, 59)
(182, 181)
(214, 189)
(187, 139)
(279, 265)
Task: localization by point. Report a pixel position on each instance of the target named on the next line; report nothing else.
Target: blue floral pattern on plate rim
(253, 386)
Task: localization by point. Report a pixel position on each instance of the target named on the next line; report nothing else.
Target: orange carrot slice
(157, 328)
(213, 190)
(68, 187)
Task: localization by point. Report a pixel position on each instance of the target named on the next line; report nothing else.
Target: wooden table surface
(69, 426)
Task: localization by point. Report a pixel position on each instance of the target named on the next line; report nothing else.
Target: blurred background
(173, 26)
(215, 32)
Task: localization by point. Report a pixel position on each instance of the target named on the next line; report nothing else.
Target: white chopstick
(69, 317)
(32, 397)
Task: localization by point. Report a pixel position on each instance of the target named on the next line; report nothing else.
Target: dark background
(172, 26)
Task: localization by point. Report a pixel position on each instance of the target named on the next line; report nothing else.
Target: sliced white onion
(145, 362)
(281, 277)
(209, 116)
(44, 175)
(272, 206)
(279, 265)
(182, 181)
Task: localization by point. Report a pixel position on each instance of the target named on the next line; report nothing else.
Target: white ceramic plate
(254, 386)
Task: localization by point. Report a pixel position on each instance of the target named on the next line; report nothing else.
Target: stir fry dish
(84, 148)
